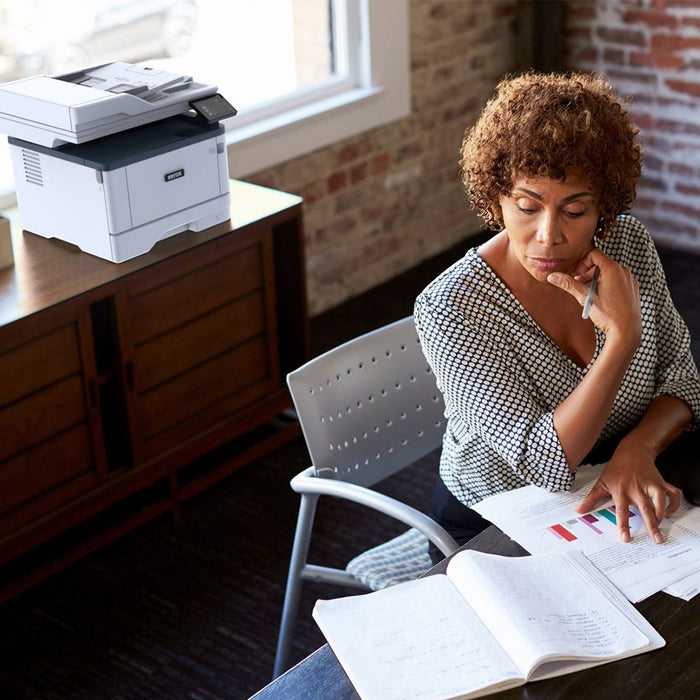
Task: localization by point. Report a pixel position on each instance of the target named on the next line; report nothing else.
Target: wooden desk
(119, 381)
(671, 673)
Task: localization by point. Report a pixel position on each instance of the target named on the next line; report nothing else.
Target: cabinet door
(201, 340)
(49, 434)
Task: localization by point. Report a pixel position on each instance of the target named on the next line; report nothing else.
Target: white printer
(116, 157)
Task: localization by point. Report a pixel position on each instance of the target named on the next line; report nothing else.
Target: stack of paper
(542, 521)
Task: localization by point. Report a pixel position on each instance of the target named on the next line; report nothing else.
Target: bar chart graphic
(599, 523)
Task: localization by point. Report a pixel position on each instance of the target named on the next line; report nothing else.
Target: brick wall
(379, 203)
(650, 49)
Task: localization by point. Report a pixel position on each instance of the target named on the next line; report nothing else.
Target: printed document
(543, 521)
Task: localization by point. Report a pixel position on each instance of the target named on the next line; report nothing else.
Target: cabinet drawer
(41, 415)
(179, 301)
(38, 363)
(46, 443)
(213, 334)
(42, 390)
(239, 376)
(40, 479)
(203, 342)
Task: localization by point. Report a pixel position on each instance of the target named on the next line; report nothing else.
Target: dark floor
(190, 609)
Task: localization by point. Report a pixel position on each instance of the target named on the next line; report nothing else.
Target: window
(302, 73)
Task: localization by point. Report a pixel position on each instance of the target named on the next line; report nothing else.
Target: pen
(591, 293)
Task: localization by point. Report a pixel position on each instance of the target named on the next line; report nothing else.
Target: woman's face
(549, 224)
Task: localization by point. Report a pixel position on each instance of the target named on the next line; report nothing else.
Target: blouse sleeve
(676, 373)
(488, 394)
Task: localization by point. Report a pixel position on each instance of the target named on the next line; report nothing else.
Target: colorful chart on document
(593, 526)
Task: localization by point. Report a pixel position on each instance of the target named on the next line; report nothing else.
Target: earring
(599, 228)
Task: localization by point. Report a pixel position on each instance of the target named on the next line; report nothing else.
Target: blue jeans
(459, 520)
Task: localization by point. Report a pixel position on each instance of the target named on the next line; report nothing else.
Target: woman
(532, 389)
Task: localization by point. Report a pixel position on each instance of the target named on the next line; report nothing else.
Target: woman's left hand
(631, 478)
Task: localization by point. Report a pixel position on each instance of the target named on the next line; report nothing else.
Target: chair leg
(300, 552)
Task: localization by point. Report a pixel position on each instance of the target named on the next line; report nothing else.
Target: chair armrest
(307, 482)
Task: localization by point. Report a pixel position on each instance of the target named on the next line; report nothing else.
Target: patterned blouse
(502, 377)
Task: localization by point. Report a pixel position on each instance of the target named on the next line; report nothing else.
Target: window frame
(381, 95)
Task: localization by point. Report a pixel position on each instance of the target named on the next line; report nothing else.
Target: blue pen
(591, 293)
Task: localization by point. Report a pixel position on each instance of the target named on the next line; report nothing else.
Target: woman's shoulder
(460, 281)
(630, 243)
(631, 226)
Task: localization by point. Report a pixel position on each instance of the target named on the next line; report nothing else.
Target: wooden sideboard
(126, 388)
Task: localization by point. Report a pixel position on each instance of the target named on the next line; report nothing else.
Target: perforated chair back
(370, 406)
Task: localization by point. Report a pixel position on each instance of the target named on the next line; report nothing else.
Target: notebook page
(414, 641)
(542, 606)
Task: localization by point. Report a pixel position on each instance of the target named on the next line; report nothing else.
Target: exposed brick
(358, 173)
(311, 192)
(380, 248)
(681, 169)
(667, 230)
(629, 37)
(654, 183)
(459, 110)
(665, 61)
(354, 150)
(336, 181)
(582, 10)
(643, 120)
(680, 208)
(678, 100)
(586, 55)
(645, 79)
(643, 202)
(674, 42)
(582, 33)
(651, 19)
(693, 22)
(477, 62)
(374, 211)
(687, 88)
(380, 163)
(462, 24)
(652, 163)
(439, 10)
(443, 74)
(685, 188)
(408, 151)
(675, 127)
(486, 36)
(614, 56)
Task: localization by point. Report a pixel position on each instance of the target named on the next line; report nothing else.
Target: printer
(116, 157)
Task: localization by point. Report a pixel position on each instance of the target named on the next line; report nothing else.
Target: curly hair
(543, 125)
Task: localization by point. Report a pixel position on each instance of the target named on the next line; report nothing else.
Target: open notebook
(488, 624)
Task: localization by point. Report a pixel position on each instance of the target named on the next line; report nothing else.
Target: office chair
(367, 409)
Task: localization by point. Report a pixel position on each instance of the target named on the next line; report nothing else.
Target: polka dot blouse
(502, 376)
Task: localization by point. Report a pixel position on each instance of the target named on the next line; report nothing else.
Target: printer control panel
(214, 108)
